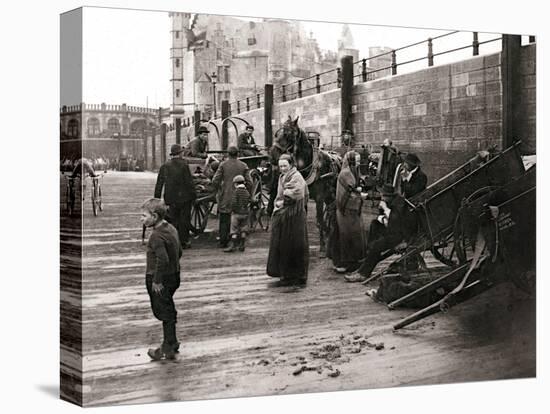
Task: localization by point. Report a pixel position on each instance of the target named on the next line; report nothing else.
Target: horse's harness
(315, 164)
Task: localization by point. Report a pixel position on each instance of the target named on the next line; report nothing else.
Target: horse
(318, 167)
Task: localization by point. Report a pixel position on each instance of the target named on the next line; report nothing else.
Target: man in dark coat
(395, 225)
(246, 144)
(179, 192)
(223, 182)
(413, 180)
(198, 146)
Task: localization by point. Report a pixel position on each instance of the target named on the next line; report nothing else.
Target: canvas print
(261, 206)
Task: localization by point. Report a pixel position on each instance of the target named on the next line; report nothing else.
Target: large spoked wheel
(461, 239)
(445, 252)
(200, 210)
(258, 206)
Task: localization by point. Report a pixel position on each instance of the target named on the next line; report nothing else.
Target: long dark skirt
(289, 247)
(346, 244)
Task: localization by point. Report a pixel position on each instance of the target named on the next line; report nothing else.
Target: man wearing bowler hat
(179, 192)
(394, 225)
(246, 144)
(198, 146)
(413, 179)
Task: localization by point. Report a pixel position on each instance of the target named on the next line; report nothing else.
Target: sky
(127, 52)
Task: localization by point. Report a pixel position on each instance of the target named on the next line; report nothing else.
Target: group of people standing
(350, 250)
(288, 259)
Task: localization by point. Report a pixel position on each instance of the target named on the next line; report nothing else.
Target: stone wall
(527, 120)
(444, 114)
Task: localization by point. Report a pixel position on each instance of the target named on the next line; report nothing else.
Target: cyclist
(83, 166)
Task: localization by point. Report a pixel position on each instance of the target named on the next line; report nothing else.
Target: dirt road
(243, 337)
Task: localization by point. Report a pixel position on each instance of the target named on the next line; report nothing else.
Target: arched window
(93, 127)
(72, 128)
(137, 127)
(113, 125)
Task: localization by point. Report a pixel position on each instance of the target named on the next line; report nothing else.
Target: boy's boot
(232, 245)
(242, 241)
(169, 344)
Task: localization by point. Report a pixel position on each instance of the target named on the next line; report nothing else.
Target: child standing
(240, 210)
(162, 275)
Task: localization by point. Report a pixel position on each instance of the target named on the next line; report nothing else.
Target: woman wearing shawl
(289, 247)
(346, 243)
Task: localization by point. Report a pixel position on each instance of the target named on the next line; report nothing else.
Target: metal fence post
(247, 104)
(364, 70)
(339, 77)
(393, 63)
(268, 115)
(258, 100)
(238, 107)
(346, 75)
(299, 89)
(475, 45)
(284, 93)
(430, 52)
(318, 83)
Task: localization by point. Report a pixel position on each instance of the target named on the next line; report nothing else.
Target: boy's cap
(238, 179)
(176, 149)
(250, 127)
(233, 150)
(203, 129)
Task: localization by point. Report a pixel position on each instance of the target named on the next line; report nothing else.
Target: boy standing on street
(239, 214)
(162, 275)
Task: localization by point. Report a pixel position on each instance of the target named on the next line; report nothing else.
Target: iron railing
(332, 79)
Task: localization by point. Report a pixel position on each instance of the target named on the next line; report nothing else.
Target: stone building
(239, 56)
(105, 129)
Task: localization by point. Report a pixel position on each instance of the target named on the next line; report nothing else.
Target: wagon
(437, 207)
(456, 216)
(501, 225)
(206, 200)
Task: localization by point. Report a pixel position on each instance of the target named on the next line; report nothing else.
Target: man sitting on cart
(395, 225)
(413, 179)
(198, 146)
(246, 144)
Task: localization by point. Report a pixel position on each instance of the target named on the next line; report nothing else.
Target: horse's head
(292, 140)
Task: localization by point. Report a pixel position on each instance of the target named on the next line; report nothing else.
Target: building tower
(180, 38)
(346, 45)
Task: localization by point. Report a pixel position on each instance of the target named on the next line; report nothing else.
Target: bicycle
(97, 203)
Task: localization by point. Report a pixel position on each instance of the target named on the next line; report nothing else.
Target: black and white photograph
(262, 206)
(255, 203)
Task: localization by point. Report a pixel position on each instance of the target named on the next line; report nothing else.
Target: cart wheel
(445, 251)
(199, 216)
(264, 218)
(258, 211)
(461, 241)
